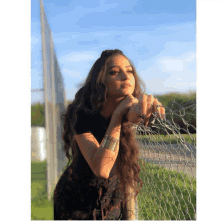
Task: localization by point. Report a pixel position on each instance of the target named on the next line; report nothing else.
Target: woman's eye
(113, 72)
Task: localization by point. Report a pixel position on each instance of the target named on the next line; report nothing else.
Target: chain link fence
(168, 165)
(55, 105)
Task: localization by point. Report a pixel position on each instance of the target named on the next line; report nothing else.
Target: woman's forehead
(118, 60)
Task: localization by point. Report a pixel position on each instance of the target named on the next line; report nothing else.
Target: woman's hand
(145, 107)
(125, 105)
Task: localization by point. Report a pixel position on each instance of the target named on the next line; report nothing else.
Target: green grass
(171, 138)
(41, 207)
(166, 194)
(156, 199)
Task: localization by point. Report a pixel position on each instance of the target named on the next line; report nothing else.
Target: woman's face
(119, 77)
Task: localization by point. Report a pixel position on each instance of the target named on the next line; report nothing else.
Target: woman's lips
(125, 85)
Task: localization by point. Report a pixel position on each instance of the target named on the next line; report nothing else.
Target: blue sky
(158, 36)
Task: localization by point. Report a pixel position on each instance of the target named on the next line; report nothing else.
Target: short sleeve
(83, 122)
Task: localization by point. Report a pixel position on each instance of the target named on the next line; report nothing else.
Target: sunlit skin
(146, 106)
(119, 72)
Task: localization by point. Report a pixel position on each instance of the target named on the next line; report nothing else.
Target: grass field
(169, 139)
(155, 199)
(165, 194)
(41, 207)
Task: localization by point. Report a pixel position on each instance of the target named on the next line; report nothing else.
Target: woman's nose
(124, 75)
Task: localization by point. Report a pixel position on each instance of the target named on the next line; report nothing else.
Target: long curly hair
(91, 97)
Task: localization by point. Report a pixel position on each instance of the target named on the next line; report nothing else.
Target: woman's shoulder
(85, 121)
(82, 122)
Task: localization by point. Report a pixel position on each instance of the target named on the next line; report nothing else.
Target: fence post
(130, 210)
(45, 94)
(131, 207)
(53, 109)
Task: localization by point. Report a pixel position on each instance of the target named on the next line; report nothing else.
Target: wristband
(110, 143)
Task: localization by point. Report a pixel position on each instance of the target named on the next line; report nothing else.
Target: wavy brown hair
(91, 97)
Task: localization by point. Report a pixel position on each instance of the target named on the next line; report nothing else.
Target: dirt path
(173, 160)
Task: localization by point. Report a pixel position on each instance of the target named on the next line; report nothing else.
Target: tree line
(180, 109)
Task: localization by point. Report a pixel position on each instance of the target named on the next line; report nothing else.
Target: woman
(100, 142)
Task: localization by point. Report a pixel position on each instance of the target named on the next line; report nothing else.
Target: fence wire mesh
(168, 165)
(55, 101)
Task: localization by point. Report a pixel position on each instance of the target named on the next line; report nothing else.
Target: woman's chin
(125, 93)
(121, 93)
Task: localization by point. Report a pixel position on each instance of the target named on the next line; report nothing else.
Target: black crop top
(86, 196)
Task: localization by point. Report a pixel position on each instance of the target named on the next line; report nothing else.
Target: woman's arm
(100, 159)
(103, 158)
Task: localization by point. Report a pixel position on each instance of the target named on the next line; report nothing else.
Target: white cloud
(165, 74)
(178, 63)
(191, 57)
(180, 84)
(172, 64)
(158, 86)
(155, 85)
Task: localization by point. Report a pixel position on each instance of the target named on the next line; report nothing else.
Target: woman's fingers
(162, 112)
(155, 103)
(143, 104)
(155, 107)
(158, 109)
(146, 105)
(150, 100)
(140, 107)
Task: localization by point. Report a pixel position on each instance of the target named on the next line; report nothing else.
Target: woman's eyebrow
(118, 66)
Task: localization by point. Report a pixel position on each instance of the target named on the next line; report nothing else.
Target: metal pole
(46, 96)
(130, 210)
(54, 110)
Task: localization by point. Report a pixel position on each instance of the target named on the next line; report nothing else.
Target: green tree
(180, 104)
(37, 115)
(183, 113)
